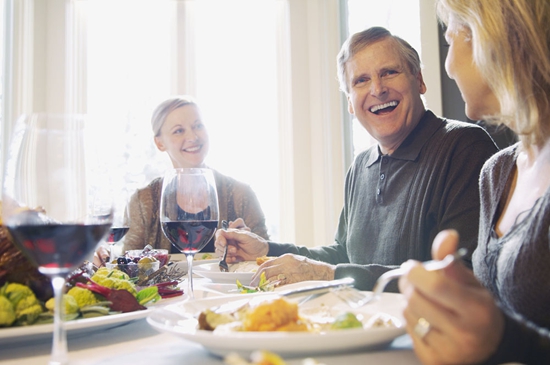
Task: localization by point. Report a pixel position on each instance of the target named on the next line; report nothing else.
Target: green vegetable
(345, 321)
(148, 295)
(264, 285)
(7, 312)
(206, 256)
(27, 307)
(69, 302)
(84, 296)
(98, 310)
(114, 279)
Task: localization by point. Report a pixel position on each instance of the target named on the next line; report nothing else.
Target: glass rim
(190, 169)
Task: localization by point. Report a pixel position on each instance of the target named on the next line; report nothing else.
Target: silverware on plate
(355, 298)
(311, 291)
(223, 264)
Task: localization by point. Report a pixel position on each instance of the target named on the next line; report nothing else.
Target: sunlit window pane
(237, 88)
(129, 71)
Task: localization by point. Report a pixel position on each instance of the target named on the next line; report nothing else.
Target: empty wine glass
(53, 202)
(189, 212)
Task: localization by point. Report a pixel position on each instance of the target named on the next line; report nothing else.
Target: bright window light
(130, 63)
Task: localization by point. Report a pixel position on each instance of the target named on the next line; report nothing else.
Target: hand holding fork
(356, 298)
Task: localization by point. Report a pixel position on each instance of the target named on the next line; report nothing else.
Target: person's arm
(461, 205)
(522, 342)
(458, 208)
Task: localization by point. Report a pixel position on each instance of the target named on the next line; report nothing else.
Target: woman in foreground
(499, 55)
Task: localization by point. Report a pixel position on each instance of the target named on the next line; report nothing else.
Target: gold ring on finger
(422, 328)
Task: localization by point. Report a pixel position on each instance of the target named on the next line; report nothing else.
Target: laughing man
(420, 178)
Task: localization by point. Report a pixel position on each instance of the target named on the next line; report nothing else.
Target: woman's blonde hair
(166, 107)
(511, 48)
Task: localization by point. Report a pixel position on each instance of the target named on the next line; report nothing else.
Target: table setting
(149, 306)
(138, 337)
(167, 332)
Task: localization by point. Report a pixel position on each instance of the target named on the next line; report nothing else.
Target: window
(228, 62)
(266, 84)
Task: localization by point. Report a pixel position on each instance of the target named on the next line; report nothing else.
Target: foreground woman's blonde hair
(511, 47)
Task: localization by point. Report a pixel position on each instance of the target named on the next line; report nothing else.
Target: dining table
(137, 342)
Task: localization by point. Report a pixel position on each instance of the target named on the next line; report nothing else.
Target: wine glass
(121, 225)
(53, 202)
(189, 212)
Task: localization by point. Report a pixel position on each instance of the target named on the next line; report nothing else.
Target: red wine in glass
(189, 236)
(59, 247)
(55, 204)
(189, 212)
(116, 234)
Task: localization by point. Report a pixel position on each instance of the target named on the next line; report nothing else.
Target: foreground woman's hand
(290, 268)
(451, 318)
(243, 245)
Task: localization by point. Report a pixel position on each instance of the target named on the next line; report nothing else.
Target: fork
(223, 264)
(356, 298)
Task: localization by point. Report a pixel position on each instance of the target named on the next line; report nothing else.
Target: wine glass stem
(59, 348)
(190, 292)
(111, 252)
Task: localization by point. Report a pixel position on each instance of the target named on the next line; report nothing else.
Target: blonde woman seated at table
(180, 132)
(499, 55)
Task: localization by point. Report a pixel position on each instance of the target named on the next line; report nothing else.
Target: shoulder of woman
(228, 182)
(503, 159)
(148, 192)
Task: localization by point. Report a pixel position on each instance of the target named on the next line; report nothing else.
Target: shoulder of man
(458, 133)
(459, 127)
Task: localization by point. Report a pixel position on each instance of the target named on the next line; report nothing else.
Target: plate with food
(11, 335)
(244, 324)
(96, 300)
(242, 271)
(178, 261)
(237, 288)
(200, 257)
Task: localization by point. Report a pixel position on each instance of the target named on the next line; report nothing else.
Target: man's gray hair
(358, 41)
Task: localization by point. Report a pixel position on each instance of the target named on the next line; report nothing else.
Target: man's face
(383, 94)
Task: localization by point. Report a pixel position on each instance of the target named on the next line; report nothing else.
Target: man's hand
(290, 268)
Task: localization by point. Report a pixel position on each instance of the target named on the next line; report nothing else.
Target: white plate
(212, 271)
(73, 328)
(179, 320)
(79, 327)
(180, 261)
(227, 288)
(182, 257)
